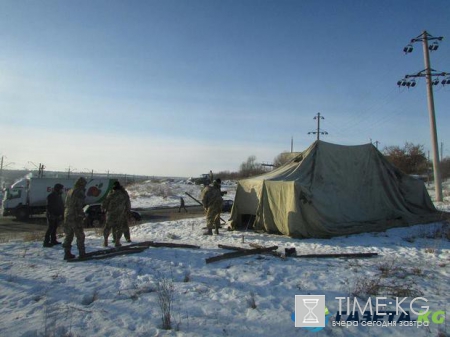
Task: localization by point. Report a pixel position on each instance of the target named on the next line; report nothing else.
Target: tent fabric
(330, 190)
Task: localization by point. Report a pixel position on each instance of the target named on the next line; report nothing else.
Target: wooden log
(195, 199)
(233, 255)
(173, 245)
(232, 247)
(162, 244)
(132, 248)
(254, 245)
(108, 255)
(338, 255)
(111, 250)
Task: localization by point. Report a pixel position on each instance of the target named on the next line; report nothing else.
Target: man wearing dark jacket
(55, 215)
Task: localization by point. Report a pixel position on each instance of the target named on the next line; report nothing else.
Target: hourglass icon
(310, 304)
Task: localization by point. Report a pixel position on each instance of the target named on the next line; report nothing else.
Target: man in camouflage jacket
(74, 219)
(117, 207)
(212, 202)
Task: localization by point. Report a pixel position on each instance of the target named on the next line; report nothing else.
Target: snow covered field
(167, 193)
(42, 295)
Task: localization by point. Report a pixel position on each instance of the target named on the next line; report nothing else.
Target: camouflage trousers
(213, 216)
(71, 229)
(117, 227)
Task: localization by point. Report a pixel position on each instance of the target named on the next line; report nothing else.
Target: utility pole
(292, 144)
(318, 132)
(429, 73)
(69, 171)
(41, 170)
(1, 174)
(376, 143)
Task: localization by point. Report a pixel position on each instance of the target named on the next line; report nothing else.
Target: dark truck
(202, 180)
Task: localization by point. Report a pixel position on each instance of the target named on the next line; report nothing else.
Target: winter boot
(117, 242)
(126, 234)
(81, 251)
(105, 237)
(217, 231)
(67, 254)
(47, 244)
(208, 232)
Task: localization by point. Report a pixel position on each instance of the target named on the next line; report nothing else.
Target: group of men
(116, 206)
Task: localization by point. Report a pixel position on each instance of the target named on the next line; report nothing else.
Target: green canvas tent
(330, 190)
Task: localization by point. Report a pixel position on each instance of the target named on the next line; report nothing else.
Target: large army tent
(331, 190)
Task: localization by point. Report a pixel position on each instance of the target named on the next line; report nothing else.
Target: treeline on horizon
(410, 159)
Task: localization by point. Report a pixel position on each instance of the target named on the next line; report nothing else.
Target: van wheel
(22, 214)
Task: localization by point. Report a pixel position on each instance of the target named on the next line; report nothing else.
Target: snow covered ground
(42, 295)
(167, 193)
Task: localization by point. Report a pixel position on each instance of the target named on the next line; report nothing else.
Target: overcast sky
(181, 87)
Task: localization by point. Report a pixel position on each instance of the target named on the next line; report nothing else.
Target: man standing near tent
(117, 207)
(74, 219)
(212, 202)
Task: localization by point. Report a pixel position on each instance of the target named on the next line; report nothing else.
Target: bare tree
(251, 167)
(409, 159)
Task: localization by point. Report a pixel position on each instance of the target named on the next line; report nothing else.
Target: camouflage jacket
(117, 203)
(211, 196)
(74, 205)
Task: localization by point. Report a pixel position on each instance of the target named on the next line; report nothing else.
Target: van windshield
(13, 193)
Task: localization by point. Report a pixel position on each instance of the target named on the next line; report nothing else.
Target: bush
(410, 159)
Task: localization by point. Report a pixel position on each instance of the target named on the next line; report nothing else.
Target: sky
(178, 88)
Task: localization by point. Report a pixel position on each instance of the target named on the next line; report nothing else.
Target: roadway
(35, 227)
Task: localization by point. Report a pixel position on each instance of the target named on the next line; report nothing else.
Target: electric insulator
(413, 84)
(404, 83)
(408, 49)
(433, 46)
(399, 83)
